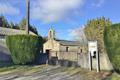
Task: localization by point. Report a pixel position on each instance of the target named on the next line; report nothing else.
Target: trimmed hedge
(24, 48)
(112, 43)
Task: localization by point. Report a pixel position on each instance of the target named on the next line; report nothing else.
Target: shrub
(112, 43)
(94, 30)
(24, 48)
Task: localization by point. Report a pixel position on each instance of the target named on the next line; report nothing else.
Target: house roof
(68, 43)
(8, 31)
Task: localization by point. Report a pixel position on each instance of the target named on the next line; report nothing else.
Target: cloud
(54, 10)
(78, 34)
(98, 3)
(8, 9)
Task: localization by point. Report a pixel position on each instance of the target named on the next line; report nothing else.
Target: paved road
(49, 73)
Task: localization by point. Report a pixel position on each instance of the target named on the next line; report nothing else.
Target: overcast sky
(65, 16)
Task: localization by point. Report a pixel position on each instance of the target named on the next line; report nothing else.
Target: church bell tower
(51, 34)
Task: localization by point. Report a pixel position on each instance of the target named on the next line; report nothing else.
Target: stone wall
(83, 60)
(75, 54)
(71, 56)
(70, 48)
(103, 59)
(105, 63)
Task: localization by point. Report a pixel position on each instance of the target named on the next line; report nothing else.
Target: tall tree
(3, 22)
(78, 34)
(94, 30)
(22, 26)
(17, 26)
(33, 29)
(12, 25)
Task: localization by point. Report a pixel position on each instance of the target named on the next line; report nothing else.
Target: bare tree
(78, 34)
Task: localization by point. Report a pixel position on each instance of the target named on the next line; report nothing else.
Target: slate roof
(68, 43)
(8, 31)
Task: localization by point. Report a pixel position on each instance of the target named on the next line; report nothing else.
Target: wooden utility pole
(27, 15)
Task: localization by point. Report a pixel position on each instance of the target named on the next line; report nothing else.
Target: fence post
(97, 57)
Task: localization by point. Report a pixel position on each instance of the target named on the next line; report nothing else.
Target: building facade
(62, 49)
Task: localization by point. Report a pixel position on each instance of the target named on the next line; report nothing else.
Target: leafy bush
(94, 30)
(24, 48)
(112, 43)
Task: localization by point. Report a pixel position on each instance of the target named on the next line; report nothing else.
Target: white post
(97, 57)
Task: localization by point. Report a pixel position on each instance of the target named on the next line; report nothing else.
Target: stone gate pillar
(93, 53)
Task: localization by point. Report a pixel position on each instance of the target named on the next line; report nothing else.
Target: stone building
(73, 51)
(62, 49)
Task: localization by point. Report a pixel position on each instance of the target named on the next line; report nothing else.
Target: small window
(67, 49)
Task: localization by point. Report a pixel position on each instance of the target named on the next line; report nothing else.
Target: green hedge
(24, 48)
(112, 43)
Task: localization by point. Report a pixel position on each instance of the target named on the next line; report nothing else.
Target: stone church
(62, 49)
(73, 51)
